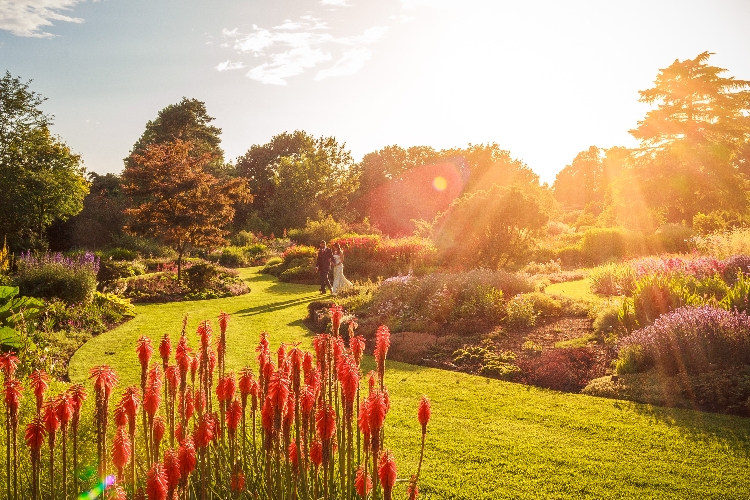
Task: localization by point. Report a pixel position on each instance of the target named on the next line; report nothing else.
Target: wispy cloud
(292, 47)
(30, 17)
(228, 65)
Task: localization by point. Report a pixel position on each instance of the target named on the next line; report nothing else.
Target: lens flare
(440, 183)
(97, 490)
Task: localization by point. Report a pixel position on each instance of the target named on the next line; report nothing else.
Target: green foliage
(51, 279)
(299, 274)
(737, 297)
(601, 244)
(520, 311)
(315, 231)
(724, 244)
(147, 247)
(545, 305)
(608, 318)
(657, 294)
(487, 361)
(12, 310)
(112, 270)
(41, 179)
(671, 238)
(243, 239)
(489, 228)
(632, 359)
(119, 254)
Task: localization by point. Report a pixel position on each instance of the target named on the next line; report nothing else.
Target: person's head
(322, 244)
(336, 247)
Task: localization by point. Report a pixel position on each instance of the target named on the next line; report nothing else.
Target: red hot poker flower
(237, 482)
(12, 393)
(186, 455)
(382, 343)
(121, 415)
(144, 349)
(165, 349)
(325, 421)
(204, 332)
(182, 356)
(156, 483)
(316, 453)
(412, 491)
(64, 409)
(8, 364)
(77, 396)
(234, 415)
(357, 345)
(172, 468)
(363, 482)
(160, 428)
(387, 473)
(336, 312)
(39, 381)
(204, 431)
(424, 412)
(293, 456)
(34, 436)
(223, 322)
(121, 450)
(104, 379)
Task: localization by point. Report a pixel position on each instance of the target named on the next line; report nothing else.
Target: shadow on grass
(275, 306)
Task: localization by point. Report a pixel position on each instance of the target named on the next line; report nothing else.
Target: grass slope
(488, 439)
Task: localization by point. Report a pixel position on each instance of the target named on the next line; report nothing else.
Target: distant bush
(601, 244)
(299, 274)
(316, 231)
(243, 239)
(50, 275)
(118, 254)
(734, 265)
(570, 255)
(671, 238)
(608, 318)
(691, 340)
(559, 369)
(144, 246)
(520, 311)
(485, 360)
(724, 244)
(112, 270)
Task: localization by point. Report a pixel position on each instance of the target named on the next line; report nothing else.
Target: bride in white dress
(339, 280)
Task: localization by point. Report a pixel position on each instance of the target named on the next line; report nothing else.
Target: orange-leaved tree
(177, 200)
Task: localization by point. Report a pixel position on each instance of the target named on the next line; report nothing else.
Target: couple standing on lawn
(328, 258)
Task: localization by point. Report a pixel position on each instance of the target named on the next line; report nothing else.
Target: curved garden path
(488, 439)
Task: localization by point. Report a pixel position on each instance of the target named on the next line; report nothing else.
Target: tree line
(693, 165)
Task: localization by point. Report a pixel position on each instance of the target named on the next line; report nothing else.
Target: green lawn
(487, 439)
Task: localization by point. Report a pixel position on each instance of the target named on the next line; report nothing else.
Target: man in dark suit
(323, 266)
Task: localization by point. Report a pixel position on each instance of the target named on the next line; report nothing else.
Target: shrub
(694, 340)
(737, 297)
(545, 305)
(671, 238)
(734, 265)
(613, 279)
(570, 255)
(520, 311)
(299, 274)
(243, 239)
(119, 254)
(608, 318)
(316, 231)
(559, 369)
(724, 244)
(143, 246)
(50, 275)
(657, 294)
(233, 257)
(486, 361)
(112, 270)
(601, 244)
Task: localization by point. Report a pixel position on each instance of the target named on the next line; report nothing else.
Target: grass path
(488, 439)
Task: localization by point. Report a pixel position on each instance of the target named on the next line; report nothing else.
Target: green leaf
(9, 337)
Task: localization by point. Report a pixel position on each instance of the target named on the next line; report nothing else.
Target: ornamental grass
(305, 426)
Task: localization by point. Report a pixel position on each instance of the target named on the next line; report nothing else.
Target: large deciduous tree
(41, 179)
(188, 120)
(177, 199)
(693, 142)
(491, 228)
(296, 176)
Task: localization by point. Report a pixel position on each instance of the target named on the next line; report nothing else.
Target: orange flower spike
(237, 482)
(144, 349)
(204, 332)
(357, 347)
(121, 415)
(387, 473)
(39, 381)
(12, 395)
(316, 453)
(412, 491)
(77, 397)
(64, 409)
(382, 344)
(223, 322)
(160, 428)
(281, 355)
(182, 356)
(230, 386)
(325, 421)
(336, 312)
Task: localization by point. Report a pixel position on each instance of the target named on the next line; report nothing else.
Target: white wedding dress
(339, 280)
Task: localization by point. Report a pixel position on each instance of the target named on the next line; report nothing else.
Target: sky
(542, 79)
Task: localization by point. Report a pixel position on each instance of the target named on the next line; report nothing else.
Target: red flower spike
(8, 364)
(64, 409)
(372, 377)
(182, 356)
(246, 382)
(220, 394)
(51, 422)
(116, 492)
(376, 410)
(165, 349)
(234, 415)
(363, 482)
(35, 435)
(121, 450)
(267, 415)
(204, 332)
(223, 322)
(337, 312)
(230, 386)
(77, 397)
(357, 345)
(179, 432)
(189, 404)
(316, 453)
(39, 381)
(278, 390)
(364, 418)
(424, 412)
(121, 416)
(320, 342)
(307, 366)
(293, 456)
(194, 362)
(12, 395)
(172, 468)
(144, 349)
(104, 379)
(387, 473)
(382, 343)
(281, 355)
(212, 361)
(156, 483)
(204, 431)
(325, 422)
(412, 491)
(160, 428)
(308, 401)
(237, 482)
(186, 456)
(172, 374)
